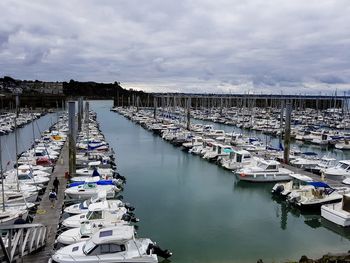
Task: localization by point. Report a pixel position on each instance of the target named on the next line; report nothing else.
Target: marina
(183, 201)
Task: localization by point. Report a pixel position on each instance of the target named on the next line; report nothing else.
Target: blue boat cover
(319, 184)
(100, 182)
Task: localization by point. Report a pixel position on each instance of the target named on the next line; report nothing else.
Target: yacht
(264, 171)
(113, 244)
(101, 215)
(237, 159)
(341, 170)
(338, 213)
(90, 188)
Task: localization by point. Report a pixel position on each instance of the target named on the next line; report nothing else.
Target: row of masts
(238, 101)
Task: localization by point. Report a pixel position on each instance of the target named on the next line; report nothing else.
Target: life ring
(242, 174)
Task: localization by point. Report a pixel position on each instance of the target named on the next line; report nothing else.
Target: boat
(298, 182)
(102, 215)
(90, 188)
(263, 171)
(113, 244)
(341, 170)
(84, 232)
(338, 213)
(314, 197)
(99, 198)
(237, 160)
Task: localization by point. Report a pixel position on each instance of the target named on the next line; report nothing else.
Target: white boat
(84, 232)
(9, 216)
(338, 213)
(217, 150)
(237, 160)
(341, 170)
(317, 196)
(343, 145)
(89, 189)
(264, 171)
(195, 141)
(99, 214)
(100, 198)
(298, 182)
(114, 244)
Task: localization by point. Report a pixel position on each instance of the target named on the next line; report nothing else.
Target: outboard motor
(279, 189)
(129, 218)
(158, 251)
(118, 176)
(129, 207)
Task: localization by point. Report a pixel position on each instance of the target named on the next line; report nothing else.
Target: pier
(50, 217)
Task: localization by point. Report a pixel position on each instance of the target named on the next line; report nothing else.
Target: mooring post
(86, 119)
(155, 108)
(281, 122)
(80, 104)
(188, 113)
(71, 125)
(287, 132)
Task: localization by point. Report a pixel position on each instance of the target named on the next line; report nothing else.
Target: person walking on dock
(56, 183)
(20, 220)
(53, 198)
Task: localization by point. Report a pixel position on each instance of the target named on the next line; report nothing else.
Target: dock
(331, 182)
(48, 216)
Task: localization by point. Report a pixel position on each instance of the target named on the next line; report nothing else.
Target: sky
(206, 46)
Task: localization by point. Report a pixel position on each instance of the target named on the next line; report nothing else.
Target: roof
(345, 161)
(116, 234)
(302, 177)
(100, 206)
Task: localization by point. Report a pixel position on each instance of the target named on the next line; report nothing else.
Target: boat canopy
(319, 184)
(116, 235)
(301, 177)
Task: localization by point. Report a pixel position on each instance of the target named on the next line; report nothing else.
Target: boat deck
(315, 177)
(48, 216)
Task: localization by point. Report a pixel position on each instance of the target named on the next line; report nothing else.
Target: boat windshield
(93, 215)
(343, 166)
(88, 247)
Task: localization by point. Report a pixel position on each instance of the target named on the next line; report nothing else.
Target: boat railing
(19, 240)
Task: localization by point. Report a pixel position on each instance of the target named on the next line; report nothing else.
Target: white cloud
(186, 45)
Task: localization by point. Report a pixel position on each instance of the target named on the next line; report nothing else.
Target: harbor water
(200, 212)
(24, 138)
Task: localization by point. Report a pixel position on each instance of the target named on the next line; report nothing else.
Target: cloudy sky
(231, 46)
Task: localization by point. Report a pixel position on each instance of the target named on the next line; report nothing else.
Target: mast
(2, 179)
(16, 142)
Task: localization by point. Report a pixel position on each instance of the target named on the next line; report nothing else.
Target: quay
(317, 178)
(50, 217)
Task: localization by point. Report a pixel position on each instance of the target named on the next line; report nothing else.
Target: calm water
(24, 139)
(200, 212)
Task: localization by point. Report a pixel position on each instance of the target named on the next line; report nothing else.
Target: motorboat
(298, 182)
(102, 215)
(90, 188)
(82, 233)
(338, 213)
(314, 197)
(237, 159)
(99, 198)
(113, 244)
(264, 171)
(341, 170)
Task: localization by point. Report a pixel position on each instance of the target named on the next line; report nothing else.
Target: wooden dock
(317, 178)
(48, 216)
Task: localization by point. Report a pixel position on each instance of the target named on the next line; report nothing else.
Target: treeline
(94, 90)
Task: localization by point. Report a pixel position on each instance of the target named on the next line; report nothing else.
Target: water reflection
(310, 218)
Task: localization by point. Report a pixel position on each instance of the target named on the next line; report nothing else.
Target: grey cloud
(186, 45)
